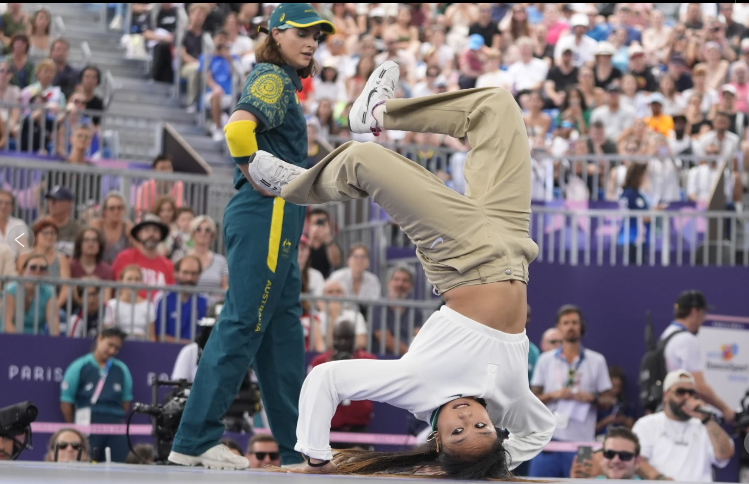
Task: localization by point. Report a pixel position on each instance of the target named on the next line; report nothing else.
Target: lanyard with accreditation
(83, 415)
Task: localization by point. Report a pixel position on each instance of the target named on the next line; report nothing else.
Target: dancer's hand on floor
(328, 468)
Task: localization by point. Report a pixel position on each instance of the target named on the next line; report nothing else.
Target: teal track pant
(259, 325)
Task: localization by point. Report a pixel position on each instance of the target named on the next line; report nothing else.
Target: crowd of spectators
(663, 81)
(666, 83)
(44, 97)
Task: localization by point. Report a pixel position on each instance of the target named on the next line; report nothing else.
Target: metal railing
(85, 312)
(600, 176)
(640, 237)
(29, 180)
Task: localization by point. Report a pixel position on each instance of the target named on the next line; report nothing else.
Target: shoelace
(283, 174)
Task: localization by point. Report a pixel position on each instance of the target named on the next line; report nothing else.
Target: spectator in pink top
(555, 25)
(151, 190)
(738, 81)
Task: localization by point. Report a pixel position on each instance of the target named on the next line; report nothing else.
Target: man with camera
(350, 416)
(325, 254)
(683, 441)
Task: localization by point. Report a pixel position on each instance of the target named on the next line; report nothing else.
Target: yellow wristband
(240, 137)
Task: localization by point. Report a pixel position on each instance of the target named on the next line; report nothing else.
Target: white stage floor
(51, 473)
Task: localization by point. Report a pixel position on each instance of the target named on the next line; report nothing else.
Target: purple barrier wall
(32, 367)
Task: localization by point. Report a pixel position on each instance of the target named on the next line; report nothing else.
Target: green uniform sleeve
(263, 95)
(127, 383)
(69, 385)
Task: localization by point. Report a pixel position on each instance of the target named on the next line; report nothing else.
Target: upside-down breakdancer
(467, 370)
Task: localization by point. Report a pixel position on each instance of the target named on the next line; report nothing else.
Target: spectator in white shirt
(680, 443)
(314, 278)
(727, 142)
(186, 364)
(492, 76)
(683, 351)
(129, 311)
(428, 86)
(529, 72)
(663, 171)
(331, 314)
(709, 96)
(583, 47)
(356, 280)
(573, 382)
(615, 117)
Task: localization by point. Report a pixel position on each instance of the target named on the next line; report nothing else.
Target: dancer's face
(464, 427)
(298, 46)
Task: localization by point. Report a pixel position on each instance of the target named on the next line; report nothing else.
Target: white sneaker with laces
(271, 173)
(218, 457)
(379, 88)
(217, 134)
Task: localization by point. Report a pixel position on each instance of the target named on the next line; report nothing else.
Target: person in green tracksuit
(259, 323)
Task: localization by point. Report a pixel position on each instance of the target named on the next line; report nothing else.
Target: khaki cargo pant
(478, 238)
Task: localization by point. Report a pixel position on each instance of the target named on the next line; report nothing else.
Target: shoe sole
(192, 461)
(368, 88)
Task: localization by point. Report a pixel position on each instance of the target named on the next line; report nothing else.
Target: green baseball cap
(299, 15)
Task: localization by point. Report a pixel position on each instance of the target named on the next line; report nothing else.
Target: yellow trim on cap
(317, 22)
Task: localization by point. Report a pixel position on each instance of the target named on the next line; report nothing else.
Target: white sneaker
(379, 88)
(192, 109)
(217, 134)
(270, 173)
(218, 457)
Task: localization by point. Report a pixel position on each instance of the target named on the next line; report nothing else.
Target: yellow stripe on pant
(276, 225)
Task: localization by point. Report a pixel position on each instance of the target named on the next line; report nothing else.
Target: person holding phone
(324, 253)
(619, 459)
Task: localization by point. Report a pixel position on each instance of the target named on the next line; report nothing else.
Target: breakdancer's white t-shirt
(452, 356)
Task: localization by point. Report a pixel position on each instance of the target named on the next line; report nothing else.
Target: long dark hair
(492, 464)
(635, 175)
(269, 52)
(566, 102)
(77, 251)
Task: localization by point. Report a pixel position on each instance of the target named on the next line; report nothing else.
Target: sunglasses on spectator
(79, 101)
(685, 391)
(48, 232)
(36, 268)
(64, 445)
(204, 229)
(623, 456)
(555, 341)
(261, 455)
(115, 208)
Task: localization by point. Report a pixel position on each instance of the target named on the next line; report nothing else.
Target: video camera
(165, 418)
(15, 421)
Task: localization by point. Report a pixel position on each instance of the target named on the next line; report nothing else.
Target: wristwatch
(706, 420)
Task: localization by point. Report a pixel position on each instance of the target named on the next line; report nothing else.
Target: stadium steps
(137, 96)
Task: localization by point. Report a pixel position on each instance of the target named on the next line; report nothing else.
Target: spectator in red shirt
(350, 416)
(157, 270)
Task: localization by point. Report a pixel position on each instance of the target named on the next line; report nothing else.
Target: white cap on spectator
(678, 376)
(330, 61)
(712, 45)
(728, 88)
(635, 49)
(377, 12)
(656, 97)
(605, 48)
(579, 19)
